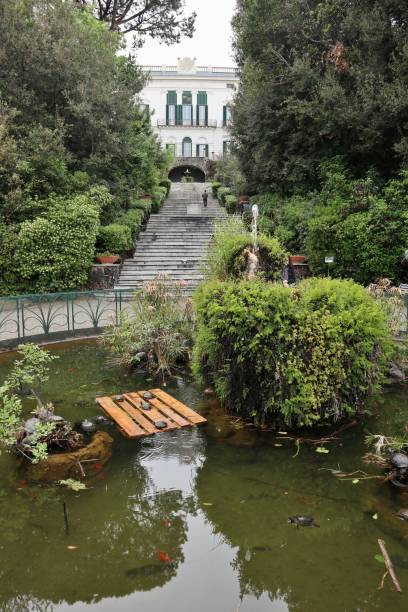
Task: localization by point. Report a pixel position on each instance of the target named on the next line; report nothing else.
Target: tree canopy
(320, 78)
(163, 19)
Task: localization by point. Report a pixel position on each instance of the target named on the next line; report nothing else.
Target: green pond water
(215, 500)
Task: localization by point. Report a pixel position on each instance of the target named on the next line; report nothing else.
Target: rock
(87, 426)
(102, 420)
(396, 373)
(47, 415)
(209, 391)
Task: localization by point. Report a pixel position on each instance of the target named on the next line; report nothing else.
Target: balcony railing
(198, 124)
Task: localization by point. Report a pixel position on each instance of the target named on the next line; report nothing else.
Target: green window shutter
(172, 98)
(197, 115)
(224, 116)
(202, 98)
(206, 115)
(197, 150)
(167, 114)
(192, 116)
(179, 114)
(187, 97)
(206, 151)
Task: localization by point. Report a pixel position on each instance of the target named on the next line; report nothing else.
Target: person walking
(205, 198)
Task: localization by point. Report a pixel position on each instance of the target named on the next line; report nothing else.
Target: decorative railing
(163, 123)
(195, 69)
(64, 314)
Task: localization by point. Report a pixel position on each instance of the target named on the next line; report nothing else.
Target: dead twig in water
(81, 469)
(64, 505)
(382, 581)
(389, 566)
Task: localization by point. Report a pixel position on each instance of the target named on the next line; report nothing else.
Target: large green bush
(222, 192)
(227, 259)
(133, 218)
(167, 184)
(215, 185)
(55, 253)
(293, 356)
(114, 238)
(231, 203)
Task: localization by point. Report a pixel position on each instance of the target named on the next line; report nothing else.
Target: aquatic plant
(35, 437)
(292, 356)
(158, 332)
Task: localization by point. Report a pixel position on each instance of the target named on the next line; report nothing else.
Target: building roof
(186, 67)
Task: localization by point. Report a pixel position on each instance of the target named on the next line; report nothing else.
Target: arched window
(187, 147)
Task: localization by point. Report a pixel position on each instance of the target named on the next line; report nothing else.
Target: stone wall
(104, 276)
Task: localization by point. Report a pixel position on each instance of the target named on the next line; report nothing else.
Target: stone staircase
(175, 240)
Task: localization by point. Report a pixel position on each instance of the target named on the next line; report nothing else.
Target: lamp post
(329, 259)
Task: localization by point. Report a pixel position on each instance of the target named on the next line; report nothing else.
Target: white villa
(190, 107)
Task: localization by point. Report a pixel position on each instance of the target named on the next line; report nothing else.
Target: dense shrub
(214, 188)
(158, 197)
(133, 218)
(290, 356)
(227, 258)
(222, 193)
(145, 205)
(231, 203)
(114, 238)
(167, 184)
(55, 253)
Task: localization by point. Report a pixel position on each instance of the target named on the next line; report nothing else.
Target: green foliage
(144, 205)
(290, 356)
(133, 219)
(114, 238)
(214, 187)
(229, 173)
(74, 485)
(231, 203)
(158, 196)
(227, 254)
(160, 328)
(319, 79)
(52, 253)
(167, 184)
(222, 192)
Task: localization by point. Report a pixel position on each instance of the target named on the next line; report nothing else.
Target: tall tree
(320, 78)
(162, 19)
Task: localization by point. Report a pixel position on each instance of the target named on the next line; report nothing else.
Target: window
(172, 148)
(227, 115)
(171, 108)
(201, 112)
(187, 114)
(202, 150)
(202, 109)
(187, 147)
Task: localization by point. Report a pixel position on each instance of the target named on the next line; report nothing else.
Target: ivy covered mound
(291, 356)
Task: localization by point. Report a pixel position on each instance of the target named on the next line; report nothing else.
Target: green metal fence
(64, 314)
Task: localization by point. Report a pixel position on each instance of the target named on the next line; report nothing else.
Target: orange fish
(164, 557)
(22, 483)
(98, 466)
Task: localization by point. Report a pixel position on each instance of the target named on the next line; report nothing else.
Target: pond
(197, 520)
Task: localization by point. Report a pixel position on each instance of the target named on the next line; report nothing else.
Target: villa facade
(190, 107)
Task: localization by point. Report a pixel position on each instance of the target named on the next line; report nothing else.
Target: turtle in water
(148, 395)
(403, 514)
(87, 426)
(160, 424)
(302, 521)
(399, 460)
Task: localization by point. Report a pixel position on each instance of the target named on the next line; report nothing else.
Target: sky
(211, 44)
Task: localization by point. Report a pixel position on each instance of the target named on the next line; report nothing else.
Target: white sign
(329, 259)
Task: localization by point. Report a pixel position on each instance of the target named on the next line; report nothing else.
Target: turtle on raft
(402, 514)
(302, 521)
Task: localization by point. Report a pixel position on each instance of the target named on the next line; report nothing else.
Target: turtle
(302, 521)
(101, 419)
(399, 460)
(148, 395)
(403, 514)
(146, 406)
(160, 424)
(87, 426)
(31, 425)
(118, 398)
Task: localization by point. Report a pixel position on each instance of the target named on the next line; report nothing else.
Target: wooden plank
(153, 414)
(140, 419)
(168, 412)
(185, 411)
(124, 422)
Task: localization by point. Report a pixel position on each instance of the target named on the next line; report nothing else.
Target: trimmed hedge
(291, 356)
(145, 205)
(167, 184)
(231, 203)
(133, 218)
(214, 187)
(114, 238)
(222, 193)
(158, 197)
(53, 253)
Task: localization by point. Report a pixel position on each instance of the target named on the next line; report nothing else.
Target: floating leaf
(283, 433)
(74, 485)
(379, 558)
(375, 516)
(207, 504)
(278, 444)
(322, 449)
(72, 547)
(355, 481)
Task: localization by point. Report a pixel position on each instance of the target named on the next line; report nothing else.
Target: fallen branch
(389, 565)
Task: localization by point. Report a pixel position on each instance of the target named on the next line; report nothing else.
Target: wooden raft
(134, 422)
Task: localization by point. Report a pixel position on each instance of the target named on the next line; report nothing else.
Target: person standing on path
(205, 198)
